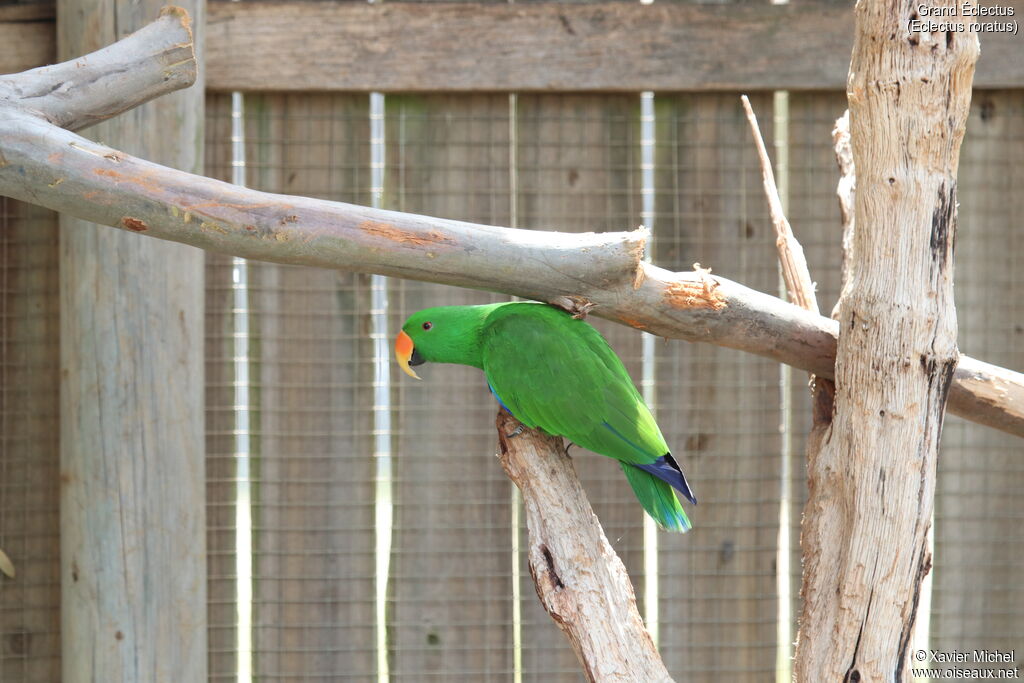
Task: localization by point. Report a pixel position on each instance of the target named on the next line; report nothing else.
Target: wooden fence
(566, 160)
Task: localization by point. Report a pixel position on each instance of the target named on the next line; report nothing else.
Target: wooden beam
(548, 46)
(133, 485)
(420, 47)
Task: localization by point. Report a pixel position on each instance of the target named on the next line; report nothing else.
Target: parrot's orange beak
(404, 349)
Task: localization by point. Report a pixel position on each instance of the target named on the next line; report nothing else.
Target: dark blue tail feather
(666, 469)
(500, 402)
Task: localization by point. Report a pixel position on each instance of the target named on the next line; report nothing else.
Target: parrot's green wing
(559, 374)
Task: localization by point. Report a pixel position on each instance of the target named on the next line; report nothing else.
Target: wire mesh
(978, 585)
(313, 530)
(29, 455)
(575, 166)
(571, 163)
(554, 162)
(718, 407)
(976, 600)
(450, 616)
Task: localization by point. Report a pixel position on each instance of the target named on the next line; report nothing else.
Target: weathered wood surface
(313, 535)
(28, 36)
(547, 46)
(872, 483)
(579, 578)
(978, 509)
(578, 168)
(451, 615)
(718, 408)
(814, 212)
(133, 559)
(29, 448)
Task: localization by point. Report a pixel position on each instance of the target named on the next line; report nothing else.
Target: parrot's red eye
(427, 325)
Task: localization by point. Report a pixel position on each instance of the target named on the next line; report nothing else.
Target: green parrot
(554, 372)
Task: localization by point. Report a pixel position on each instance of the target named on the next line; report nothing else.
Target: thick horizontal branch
(155, 60)
(616, 46)
(52, 167)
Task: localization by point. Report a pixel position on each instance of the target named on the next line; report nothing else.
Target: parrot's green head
(446, 334)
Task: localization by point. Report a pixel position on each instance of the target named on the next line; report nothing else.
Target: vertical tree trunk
(873, 480)
(133, 506)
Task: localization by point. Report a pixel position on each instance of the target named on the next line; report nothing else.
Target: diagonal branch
(791, 255)
(47, 165)
(580, 580)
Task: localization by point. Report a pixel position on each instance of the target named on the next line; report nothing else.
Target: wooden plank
(451, 617)
(221, 493)
(578, 168)
(27, 44)
(978, 598)
(133, 513)
(31, 10)
(571, 47)
(548, 46)
(566, 47)
(29, 448)
(718, 408)
(313, 538)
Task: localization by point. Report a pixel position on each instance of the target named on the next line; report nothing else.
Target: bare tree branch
(791, 255)
(580, 580)
(49, 166)
(801, 288)
(155, 60)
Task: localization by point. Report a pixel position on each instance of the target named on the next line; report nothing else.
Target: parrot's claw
(516, 432)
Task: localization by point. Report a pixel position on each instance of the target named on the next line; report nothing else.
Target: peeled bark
(872, 483)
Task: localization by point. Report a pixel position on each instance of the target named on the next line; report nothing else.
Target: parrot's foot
(516, 432)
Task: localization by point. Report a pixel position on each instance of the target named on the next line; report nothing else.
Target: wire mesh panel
(450, 616)
(569, 163)
(313, 533)
(310, 410)
(29, 453)
(578, 171)
(978, 599)
(221, 485)
(719, 408)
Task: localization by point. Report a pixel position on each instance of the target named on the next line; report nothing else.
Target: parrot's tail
(658, 499)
